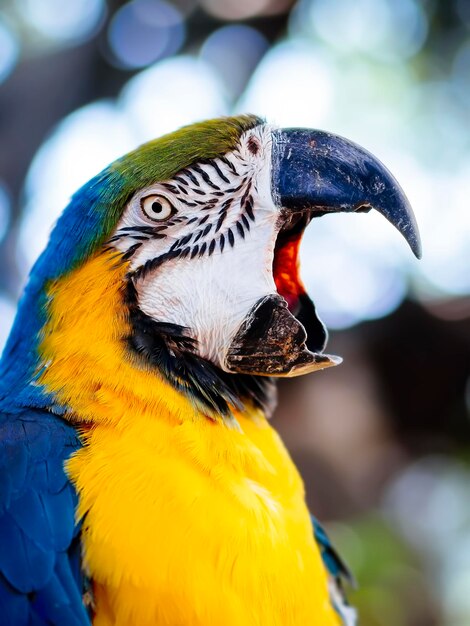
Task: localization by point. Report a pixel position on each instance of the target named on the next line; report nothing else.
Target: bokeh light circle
(9, 49)
(234, 51)
(5, 210)
(7, 314)
(73, 154)
(234, 9)
(64, 20)
(170, 94)
(291, 86)
(143, 31)
(389, 30)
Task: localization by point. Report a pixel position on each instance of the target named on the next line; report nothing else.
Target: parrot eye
(157, 208)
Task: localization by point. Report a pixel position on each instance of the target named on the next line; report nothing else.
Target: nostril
(253, 146)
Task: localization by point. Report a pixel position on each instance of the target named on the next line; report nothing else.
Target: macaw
(140, 481)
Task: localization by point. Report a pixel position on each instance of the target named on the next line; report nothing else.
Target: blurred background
(383, 441)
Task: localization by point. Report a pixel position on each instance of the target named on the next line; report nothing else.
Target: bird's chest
(198, 525)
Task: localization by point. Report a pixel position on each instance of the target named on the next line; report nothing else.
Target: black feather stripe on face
(172, 351)
(213, 210)
(199, 179)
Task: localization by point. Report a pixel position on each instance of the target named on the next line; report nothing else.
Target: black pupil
(157, 207)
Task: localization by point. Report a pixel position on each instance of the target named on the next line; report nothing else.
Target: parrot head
(202, 229)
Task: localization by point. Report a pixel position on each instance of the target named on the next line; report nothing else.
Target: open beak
(313, 173)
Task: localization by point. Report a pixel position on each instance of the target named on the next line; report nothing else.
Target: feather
(338, 573)
(14, 606)
(41, 582)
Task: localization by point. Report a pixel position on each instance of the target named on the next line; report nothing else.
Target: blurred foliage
(391, 591)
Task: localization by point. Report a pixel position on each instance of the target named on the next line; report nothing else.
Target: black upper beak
(323, 173)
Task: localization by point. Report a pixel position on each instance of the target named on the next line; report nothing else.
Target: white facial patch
(201, 245)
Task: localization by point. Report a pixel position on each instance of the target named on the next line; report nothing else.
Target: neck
(104, 361)
(172, 351)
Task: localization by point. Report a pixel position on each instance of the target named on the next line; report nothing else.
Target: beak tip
(413, 237)
(397, 210)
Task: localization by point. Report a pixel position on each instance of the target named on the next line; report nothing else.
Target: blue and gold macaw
(140, 481)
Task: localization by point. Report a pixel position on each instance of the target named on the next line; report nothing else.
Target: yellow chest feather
(187, 522)
(198, 524)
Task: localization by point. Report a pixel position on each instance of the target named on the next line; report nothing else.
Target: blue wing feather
(41, 581)
(338, 574)
(13, 606)
(332, 560)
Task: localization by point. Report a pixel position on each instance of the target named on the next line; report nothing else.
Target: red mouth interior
(286, 269)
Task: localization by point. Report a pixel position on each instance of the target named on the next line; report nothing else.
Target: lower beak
(313, 173)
